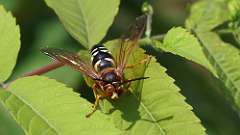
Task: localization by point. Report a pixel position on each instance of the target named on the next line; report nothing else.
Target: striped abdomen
(101, 58)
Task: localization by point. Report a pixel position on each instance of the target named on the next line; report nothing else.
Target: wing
(129, 42)
(71, 59)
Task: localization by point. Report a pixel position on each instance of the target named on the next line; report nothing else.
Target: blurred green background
(40, 28)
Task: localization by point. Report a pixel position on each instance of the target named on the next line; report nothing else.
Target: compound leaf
(9, 43)
(226, 60)
(234, 8)
(47, 107)
(152, 106)
(206, 15)
(8, 124)
(161, 109)
(86, 20)
(180, 42)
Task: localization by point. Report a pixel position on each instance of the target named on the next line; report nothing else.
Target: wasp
(106, 71)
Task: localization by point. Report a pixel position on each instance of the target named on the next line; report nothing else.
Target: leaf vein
(34, 110)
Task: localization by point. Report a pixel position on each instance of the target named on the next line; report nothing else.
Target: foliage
(234, 9)
(142, 115)
(180, 42)
(59, 111)
(41, 105)
(86, 20)
(10, 43)
(224, 57)
(226, 60)
(206, 15)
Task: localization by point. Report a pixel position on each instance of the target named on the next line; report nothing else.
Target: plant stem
(38, 71)
(44, 69)
(147, 8)
(225, 31)
(149, 41)
(158, 37)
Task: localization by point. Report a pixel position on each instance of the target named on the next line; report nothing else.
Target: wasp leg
(125, 89)
(98, 97)
(94, 88)
(94, 106)
(143, 61)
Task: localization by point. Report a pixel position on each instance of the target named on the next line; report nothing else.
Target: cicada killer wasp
(106, 71)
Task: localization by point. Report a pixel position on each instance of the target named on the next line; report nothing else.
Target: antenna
(121, 83)
(135, 79)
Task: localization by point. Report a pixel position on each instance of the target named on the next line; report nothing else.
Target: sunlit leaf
(152, 106)
(161, 109)
(49, 34)
(226, 60)
(8, 126)
(44, 106)
(86, 20)
(9, 43)
(180, 42)
(234, 8)
(207, 14)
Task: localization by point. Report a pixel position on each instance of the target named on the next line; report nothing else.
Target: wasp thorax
(110, 77)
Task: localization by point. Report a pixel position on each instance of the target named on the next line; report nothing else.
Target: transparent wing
(71, 59)
(130, 41)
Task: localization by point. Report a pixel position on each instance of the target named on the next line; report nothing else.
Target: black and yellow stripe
(101, 58)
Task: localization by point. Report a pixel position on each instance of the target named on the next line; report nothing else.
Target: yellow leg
(94, 106)
(94, 88)
(98, 97)
(143, 61)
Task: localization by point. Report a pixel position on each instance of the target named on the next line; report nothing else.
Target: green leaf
(152, 106)
(9, 43)
(161, 109)
(236, 33)
(180, 42)
(205, 15)
(8, 126)
(86, 20)
(226, 60)
(33, 59)
(234, 8)
(44, 106)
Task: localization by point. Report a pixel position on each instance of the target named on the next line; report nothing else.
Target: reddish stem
(38, 71)
(44, 69)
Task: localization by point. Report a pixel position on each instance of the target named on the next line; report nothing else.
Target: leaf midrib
(35, 111)
(221, 68)
(149, 113)
(84, 21)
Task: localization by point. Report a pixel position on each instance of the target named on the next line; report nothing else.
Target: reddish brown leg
(94, 88)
